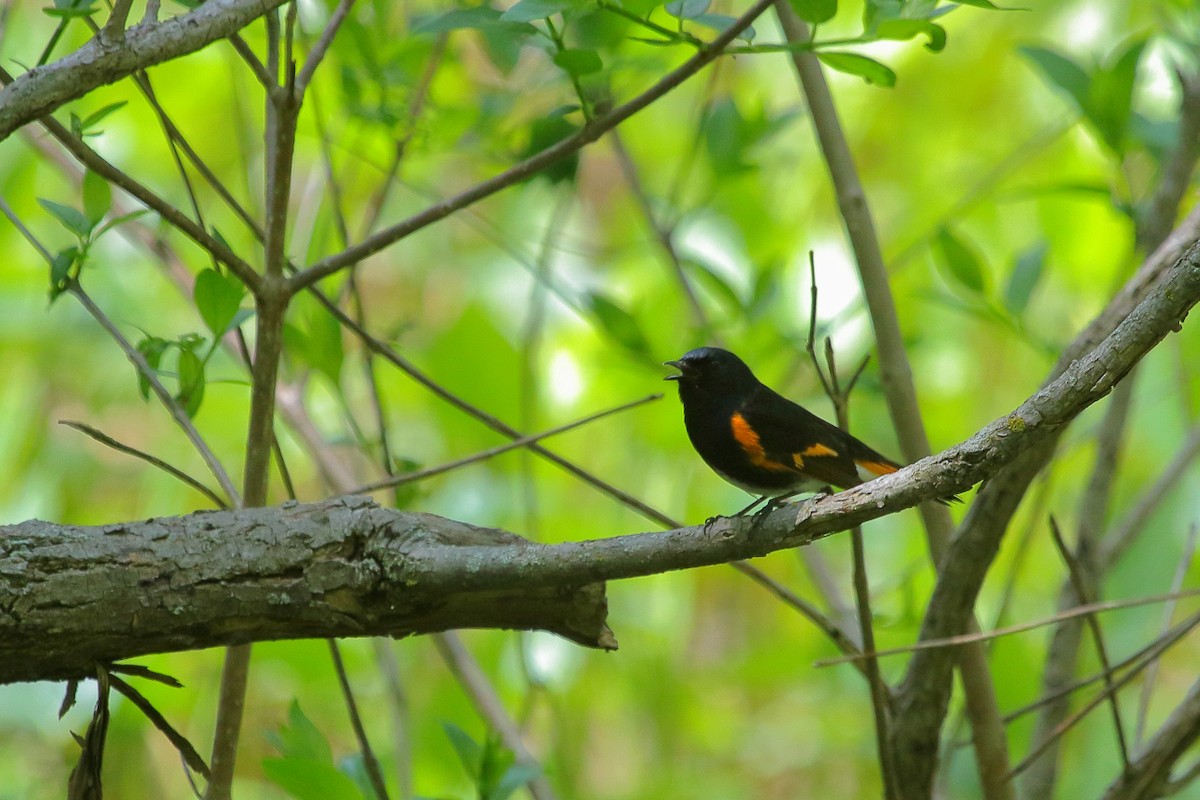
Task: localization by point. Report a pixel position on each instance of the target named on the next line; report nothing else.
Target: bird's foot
(748, 508)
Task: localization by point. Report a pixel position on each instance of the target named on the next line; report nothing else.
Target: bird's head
(711, 370)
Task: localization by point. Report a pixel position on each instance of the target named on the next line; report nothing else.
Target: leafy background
(1004, 173)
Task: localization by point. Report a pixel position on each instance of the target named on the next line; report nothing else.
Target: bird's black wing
(784, 436)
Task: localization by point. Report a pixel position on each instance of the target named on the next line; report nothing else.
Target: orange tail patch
(875, 468)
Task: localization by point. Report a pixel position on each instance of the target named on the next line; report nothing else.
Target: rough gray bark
(1152, 304)
(74, 596)
(43, 89)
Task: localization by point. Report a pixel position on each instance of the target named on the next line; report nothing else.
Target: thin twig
(317, 54)
(1087, 708)
(1062, 654)
(880, 693)
(518, 172)
(176, 411)
(489, 705)
(252, 61)
(1181, 571)
(113, 31)
(271, 303)
(422, 474)
(386, 663)
(419, 96)
(917, 726)
(1062, 616)
(807, 609)
(664, 234)
(374, 772)
(1150, 651)
(154, 461)
(1083, 592)
(190, 755)
(1123, 533)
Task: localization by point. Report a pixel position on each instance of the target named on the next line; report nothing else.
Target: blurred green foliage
(1005, 170)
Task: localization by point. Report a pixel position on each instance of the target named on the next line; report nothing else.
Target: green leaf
(314, 338)
(308, 779)
(151, 349)
(503, 43)
(354, 767)
(618, 323)
(687, 9)
(1110, 98)
(218, 299)
(529, 10)
(72, 219)
(725, 137)
(1027, 271)
(405, 494)
(1157, 136)
(97, 197)
(479, 18)
(513, 779)
(469, 751)
(960, 262)
(814, 12)
(901, 29)
(715, 281)
(548, 131)
(868, 69)
(579, 62)
(299, 738)
(191, 381)
(92, 120)
(60, 270)
(496, 761)
(71, 10)
(1062, 72)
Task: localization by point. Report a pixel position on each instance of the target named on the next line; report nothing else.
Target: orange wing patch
(747, 437)
(819, 450)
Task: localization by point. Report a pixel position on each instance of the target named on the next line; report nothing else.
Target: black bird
(762, 442)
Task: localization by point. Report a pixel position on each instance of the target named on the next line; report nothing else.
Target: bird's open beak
(677, 365)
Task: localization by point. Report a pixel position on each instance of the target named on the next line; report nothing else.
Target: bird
(760, 441)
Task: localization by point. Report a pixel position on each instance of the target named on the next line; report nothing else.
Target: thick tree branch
(925, 691)
(74, 596)
(43, 89)
(895, 374)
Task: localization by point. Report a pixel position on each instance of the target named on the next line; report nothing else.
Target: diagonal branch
(43, 89)
(518, 172)
(925, 692)
(1148, 775)
(347, 567)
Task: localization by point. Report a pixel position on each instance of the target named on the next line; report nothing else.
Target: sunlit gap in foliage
(1084, 25)
(565, 382)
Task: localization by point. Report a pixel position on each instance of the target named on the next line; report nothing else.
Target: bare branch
(518, 172)
(339, 558)
(153, 461)
(895, 372)
(43, 89)
(317, 54)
